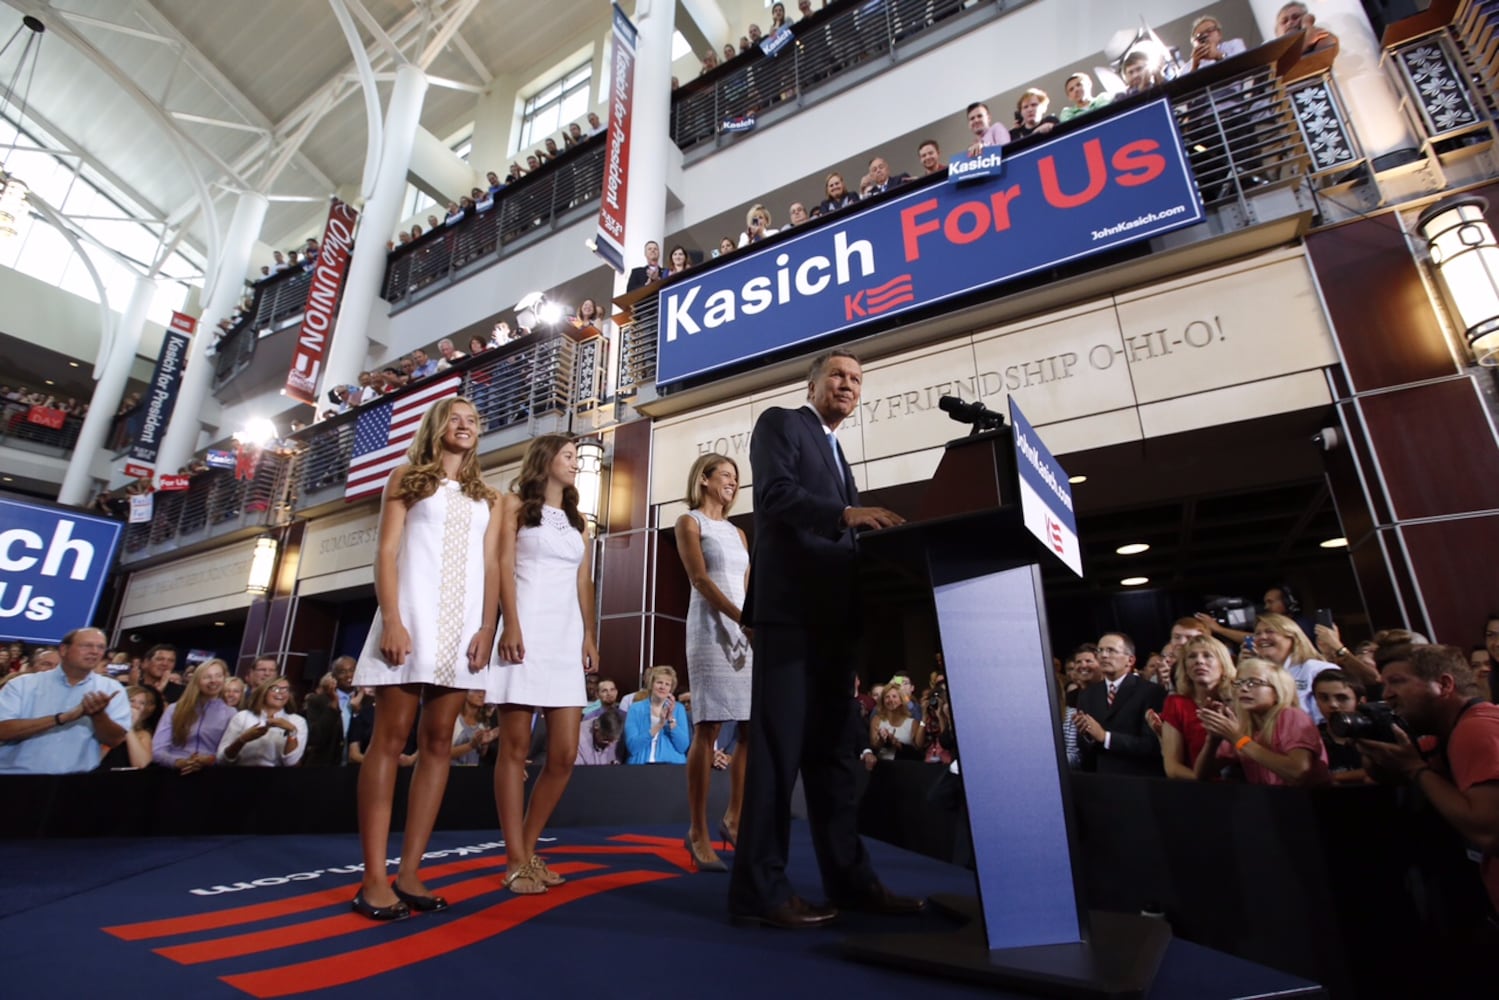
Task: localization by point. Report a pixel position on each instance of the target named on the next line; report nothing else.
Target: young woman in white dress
(547, 643)
(437, 581)
(716, 556)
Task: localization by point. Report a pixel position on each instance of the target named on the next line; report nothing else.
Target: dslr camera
(1373, 720)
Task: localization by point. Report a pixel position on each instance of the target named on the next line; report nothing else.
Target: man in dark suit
(1111, 719)
(649, 272)
(880, 179)
(803, 606)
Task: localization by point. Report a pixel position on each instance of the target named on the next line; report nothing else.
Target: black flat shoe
(396, 911)
(703, 864)
(422, 904)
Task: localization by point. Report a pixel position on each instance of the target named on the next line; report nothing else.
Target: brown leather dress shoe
(882, 901)
(794, 915)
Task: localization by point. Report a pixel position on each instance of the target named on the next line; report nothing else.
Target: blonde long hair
(425, 458)
(187, 710)
(704, 467)
(1286, 696)
(1301, 647)
(1184, 683)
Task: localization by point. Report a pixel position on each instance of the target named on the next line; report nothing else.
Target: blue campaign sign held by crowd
(1115, 181)
(53, 564)
(1045, 493)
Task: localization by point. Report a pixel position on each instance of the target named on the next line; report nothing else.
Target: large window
(40, 251)
(559, 102)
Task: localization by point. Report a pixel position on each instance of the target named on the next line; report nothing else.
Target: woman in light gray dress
(716, 557)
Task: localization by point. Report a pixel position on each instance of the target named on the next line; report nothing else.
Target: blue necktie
(838, 464)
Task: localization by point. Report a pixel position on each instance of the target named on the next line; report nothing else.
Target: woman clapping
(268, 733)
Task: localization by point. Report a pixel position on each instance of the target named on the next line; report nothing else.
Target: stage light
(1334, 543)
(1462, 248)
(1132, 549)
(262, 565)
(590, 481)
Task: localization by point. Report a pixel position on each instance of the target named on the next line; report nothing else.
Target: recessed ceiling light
(72, 364)
(221, 623)
(1334, 543)
(1134, 581)
(49, 381)
(1077, 479)
(9, 480)
(1133, 548)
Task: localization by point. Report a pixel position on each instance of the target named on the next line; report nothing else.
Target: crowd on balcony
(480, 200)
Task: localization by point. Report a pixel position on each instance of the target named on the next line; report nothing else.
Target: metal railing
(514, 386)
(1447, 77)
(274, 300)
(1242, 139)
(824, 46)
(535, 201)
(16, 430)
(215, 503)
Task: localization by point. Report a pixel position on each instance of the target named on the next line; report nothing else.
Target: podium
(1029, 929)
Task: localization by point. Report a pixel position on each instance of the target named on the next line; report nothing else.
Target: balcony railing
(275, 300)
(1242, 139)
(824, 46)
(215, 503)
(525, 388)
(1445, 64)
(534, 202)
(18, 431)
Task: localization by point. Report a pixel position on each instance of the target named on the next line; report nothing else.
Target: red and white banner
(611, 236)
(322, 303)
(46, 416)
(172, 484)
(135, 470)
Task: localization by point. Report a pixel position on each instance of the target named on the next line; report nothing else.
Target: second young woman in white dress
(437, 581)
(716, 556)
(547, 643)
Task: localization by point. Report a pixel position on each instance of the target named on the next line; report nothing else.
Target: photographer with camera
(1340, 697)
(1431, 688)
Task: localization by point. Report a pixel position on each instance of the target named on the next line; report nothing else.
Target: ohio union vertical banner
(611, 237)
(1117, 180)
(161, 394)
(322, 303)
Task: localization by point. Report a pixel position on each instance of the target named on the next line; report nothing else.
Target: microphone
(980, 416)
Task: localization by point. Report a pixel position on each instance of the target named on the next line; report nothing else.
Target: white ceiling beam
(99, 22)
(382, 40)
(183, 116)
(472, 58)
(436, 81)
(144, 204)
(445, 33)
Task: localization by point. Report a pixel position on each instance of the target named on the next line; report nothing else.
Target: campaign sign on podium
(1045, 493)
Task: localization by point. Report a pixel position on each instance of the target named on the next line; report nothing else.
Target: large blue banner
(53, 563)
(1117, 181)
(161, 394)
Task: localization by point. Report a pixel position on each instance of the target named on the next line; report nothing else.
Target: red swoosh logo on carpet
(449, 936)
(286, 936)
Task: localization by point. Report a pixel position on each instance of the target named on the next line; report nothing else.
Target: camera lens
(1349, 725)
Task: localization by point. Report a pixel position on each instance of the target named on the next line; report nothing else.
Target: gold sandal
(525, 880)
(548, 877)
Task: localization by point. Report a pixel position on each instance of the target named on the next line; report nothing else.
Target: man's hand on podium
(871, 518)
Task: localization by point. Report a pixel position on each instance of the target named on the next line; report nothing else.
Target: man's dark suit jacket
(1133, 748)
(802, 566)
(640, 277)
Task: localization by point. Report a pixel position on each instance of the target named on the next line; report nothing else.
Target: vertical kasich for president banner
(1094, 188)
(611, 238)
(322, 303)
(161, 394)
(53, 563)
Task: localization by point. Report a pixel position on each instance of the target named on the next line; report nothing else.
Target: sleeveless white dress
(440, 591)
(718, 654)
(546, 602)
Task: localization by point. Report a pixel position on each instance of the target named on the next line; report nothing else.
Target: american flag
(384, 431)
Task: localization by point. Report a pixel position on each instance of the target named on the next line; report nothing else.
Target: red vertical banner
(611, 236)
(322, 303)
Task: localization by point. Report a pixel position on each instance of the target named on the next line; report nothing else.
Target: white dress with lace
(440, 591)
(718, 654)
(546, 602)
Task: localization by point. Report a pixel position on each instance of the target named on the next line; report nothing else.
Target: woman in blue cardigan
(656, 728)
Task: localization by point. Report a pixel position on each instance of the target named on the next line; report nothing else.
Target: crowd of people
(480, 200)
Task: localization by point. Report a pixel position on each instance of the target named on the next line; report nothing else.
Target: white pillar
(650, 131)
(1372, 102)
(382, 210)
(181, 439)
(109, 388)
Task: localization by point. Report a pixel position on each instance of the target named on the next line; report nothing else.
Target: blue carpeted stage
(268, 916)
